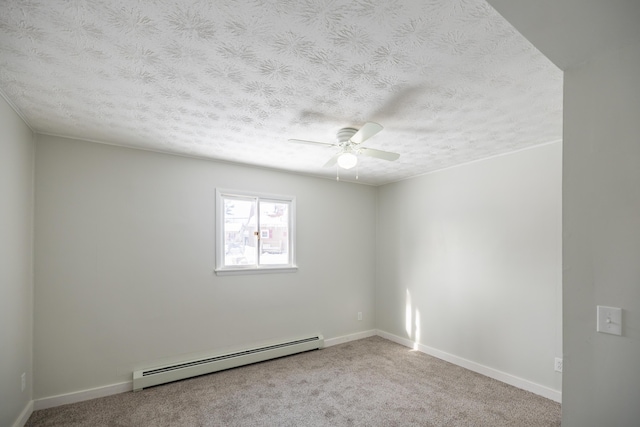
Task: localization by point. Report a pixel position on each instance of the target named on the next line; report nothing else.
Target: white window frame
(221, 269)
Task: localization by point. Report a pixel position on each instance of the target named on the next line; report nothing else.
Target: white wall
(124, 260)
(16, 279)
(601, 224)
(469, 262)
(597, 44)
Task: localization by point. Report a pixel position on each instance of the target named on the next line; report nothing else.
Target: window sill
(259, 270)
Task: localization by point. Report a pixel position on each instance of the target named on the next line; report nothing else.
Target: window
(254, 232)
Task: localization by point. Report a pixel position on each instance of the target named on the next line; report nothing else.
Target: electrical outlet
(558, 365)
(24, 380)
(359, 315)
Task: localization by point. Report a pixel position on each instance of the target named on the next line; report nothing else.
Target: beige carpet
(369, 382)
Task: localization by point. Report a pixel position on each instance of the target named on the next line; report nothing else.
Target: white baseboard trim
(351, 337)
(24, 415)
(476, 367)
(79, 396)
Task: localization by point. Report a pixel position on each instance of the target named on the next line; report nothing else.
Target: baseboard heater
(207, 365)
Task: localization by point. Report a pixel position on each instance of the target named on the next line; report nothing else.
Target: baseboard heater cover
(207, 365)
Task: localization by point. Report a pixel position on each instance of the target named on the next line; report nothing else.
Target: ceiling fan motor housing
(344, 135)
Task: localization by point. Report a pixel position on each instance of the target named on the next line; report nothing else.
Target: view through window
(254, 231)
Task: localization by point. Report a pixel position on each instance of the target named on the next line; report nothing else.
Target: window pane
(239, 228)
(274, 233)
(254, 233)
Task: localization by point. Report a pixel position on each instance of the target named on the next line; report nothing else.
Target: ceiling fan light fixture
(347, 160)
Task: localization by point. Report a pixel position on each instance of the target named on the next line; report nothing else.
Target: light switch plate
(609, 320)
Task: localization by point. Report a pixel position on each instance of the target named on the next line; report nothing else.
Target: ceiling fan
(349, 141)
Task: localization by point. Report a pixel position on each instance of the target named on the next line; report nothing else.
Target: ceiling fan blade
(367, 131)
(379, 154)
(304, 141)
(332, 161)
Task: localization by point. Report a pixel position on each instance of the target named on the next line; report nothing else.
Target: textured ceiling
(450, 80)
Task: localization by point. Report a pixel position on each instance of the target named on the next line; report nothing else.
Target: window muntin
(255, 232)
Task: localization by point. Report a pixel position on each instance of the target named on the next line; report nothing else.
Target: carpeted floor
(369, 382)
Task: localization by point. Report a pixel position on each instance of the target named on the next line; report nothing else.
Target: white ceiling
(450, 80)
